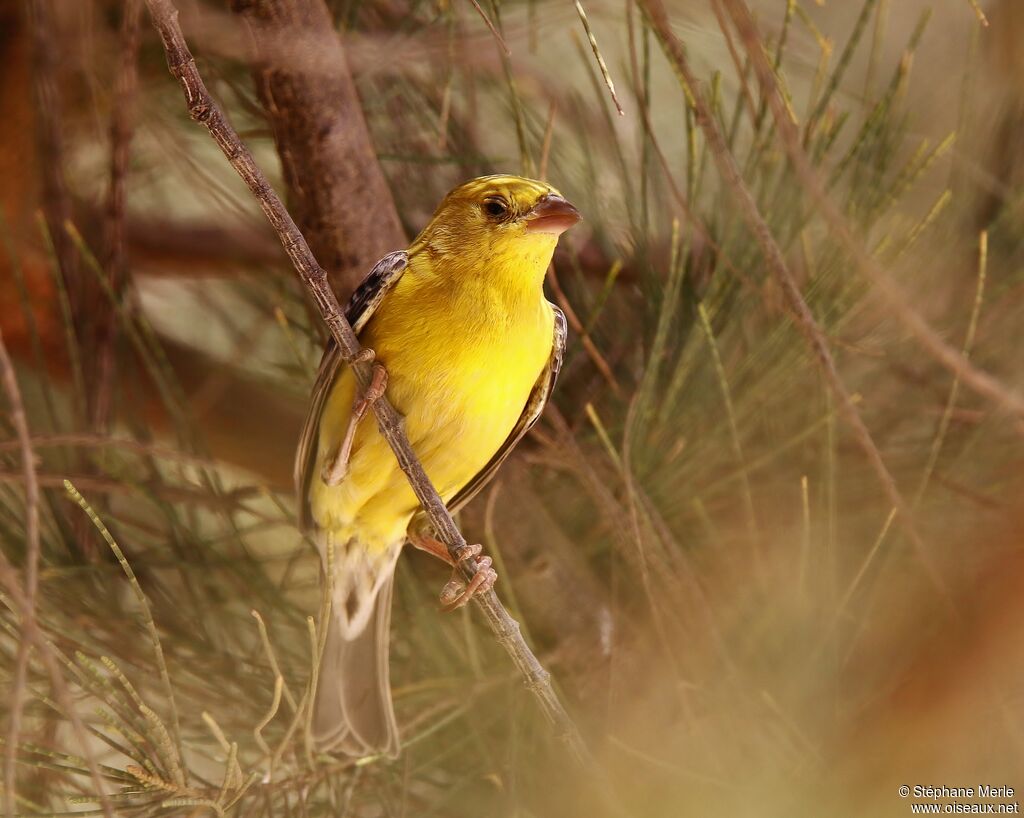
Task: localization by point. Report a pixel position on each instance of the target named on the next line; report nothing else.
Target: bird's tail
(352, 712)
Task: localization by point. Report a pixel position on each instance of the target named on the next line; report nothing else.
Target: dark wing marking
(372, 289)
(360, 308)
(531, 414)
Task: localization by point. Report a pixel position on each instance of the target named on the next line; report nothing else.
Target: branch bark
(204, 110)
(336, 188)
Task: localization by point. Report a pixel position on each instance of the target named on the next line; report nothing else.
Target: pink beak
(552, 214)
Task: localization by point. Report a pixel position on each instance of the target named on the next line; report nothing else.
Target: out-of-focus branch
(56, 203)
(182, 249)
(336, 187)
(85, 322)
(227, 432)
(577, 326)
(204, 110)
(121, 127)
(31, 482)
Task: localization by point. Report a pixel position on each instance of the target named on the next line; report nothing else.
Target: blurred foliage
(693, 543)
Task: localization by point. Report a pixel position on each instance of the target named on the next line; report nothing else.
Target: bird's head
(500, 219)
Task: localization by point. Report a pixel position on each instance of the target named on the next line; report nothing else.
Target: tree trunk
(337, 192)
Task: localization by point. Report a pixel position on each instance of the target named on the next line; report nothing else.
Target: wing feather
(360, 308)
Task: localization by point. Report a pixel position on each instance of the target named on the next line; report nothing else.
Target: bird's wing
(531, 414)
(360, 308)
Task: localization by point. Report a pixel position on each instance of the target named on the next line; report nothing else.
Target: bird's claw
(466, 551)
(456, 593)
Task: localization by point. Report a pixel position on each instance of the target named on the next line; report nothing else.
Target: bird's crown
(519, 191)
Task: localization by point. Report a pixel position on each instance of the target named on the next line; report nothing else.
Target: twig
(56, 202)
(605, 75)
(204, 110)
(494, 31)
(741, 70)
(121, 129)
(577, 327)
(893, 296)
(28, 466)
(24, 599)
(545, 145)
(797, 306)
(103, 441)
(978, 12)
(947, 412)
(147, 617)
(175, 494)
(734, 433)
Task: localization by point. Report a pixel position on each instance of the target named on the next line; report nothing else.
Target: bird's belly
(459, 406)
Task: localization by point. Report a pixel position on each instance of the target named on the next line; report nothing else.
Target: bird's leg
(456, 593)
(432, 545)
(336, 467)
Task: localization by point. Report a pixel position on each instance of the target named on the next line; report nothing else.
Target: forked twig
(204, 109)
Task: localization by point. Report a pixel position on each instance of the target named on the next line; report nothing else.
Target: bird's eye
(495, 207)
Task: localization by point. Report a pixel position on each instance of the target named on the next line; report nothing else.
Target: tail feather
(352, 712)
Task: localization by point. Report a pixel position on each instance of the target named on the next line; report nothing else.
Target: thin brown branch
(741, 70)
(121, 129)
(577, 326)
(182, 249)
(84, 303)
(490, 27)
(545, 146)
(893, 296)
(19, 683)
(103, 441)
(173, 494)
(204, 110)
(795, 303)
(605, 74)
(978, 12)
(49, 132)
(25, 599)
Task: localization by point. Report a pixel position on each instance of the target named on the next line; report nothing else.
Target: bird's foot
(336, 467)
(364, 356)
(456, 593)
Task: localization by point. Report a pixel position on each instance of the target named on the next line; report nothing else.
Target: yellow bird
(468, 349)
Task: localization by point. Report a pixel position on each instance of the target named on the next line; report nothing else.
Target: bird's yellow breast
(462, 361)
